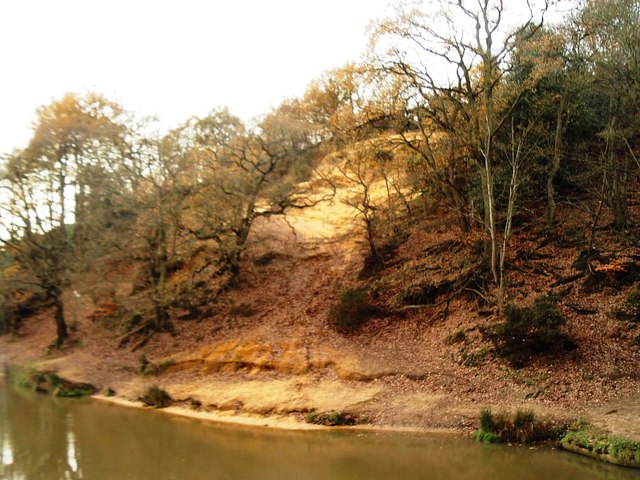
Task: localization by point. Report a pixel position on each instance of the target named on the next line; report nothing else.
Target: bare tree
(360, 176)
(455, 61)
(247, 175)
(34, 231)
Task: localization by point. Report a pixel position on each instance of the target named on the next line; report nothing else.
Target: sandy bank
(269, 421)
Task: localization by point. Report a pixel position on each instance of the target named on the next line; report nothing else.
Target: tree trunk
(460, 206)
(618, 193)
(491, 244)
(508, 222)
(159, 259)
(241, 236)
(373, 249)
(61, 327)
(489, 62)
(619, 200)
(557, 157)
(162, 322)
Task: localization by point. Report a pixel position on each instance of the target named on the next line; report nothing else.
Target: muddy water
(51, 439)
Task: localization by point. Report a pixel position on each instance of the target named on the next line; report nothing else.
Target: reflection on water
(51, 439)
(72, 461)
(7, 452)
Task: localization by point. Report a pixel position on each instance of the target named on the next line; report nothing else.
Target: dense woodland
(456, 108)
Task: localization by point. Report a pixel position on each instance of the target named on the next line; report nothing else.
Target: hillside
(268, 346)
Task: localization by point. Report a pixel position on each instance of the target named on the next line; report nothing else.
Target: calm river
(44, 438)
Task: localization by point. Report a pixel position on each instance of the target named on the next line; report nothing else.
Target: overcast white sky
(171, 58)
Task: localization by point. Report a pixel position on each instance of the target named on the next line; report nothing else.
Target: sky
(171, 58)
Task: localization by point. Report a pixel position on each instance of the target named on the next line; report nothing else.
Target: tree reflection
(37, 437)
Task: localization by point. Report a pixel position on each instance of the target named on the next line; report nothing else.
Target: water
(45, 438)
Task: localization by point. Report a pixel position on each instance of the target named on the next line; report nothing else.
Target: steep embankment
(268, 346)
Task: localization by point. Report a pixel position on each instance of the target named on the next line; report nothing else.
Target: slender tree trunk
(373, 249)
(557, 158)
(403, 198)
(385, 177)
(618, 190)
(62, 332)
(460, 205)
(511, 207)
(159, 265)
(162, 321)
(489, 62)
(595, 218)
(454, 194)
(491, 246)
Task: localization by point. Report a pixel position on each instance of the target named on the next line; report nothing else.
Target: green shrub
(530, 331)
(524, 418)
(48, 382)
(75, 390)
(630, 311)
(488, 422)
(522, 427)
(352, 309)
(455, 337)
(633, 300)
(156, 397)
(472, 359)
(331, 419)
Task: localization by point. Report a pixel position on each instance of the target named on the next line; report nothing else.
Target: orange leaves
(617, 265)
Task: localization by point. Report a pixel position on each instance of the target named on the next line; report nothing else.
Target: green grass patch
(333, 418)
(591, 441)
(521, 427)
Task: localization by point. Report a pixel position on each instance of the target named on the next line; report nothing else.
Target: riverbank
(86, 436)
(268, 351)
(588, 444)
(290, 423)
(275, 400)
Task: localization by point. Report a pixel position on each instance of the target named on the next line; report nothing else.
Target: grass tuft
(156, 397)
(333, 418)
(521, 427)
